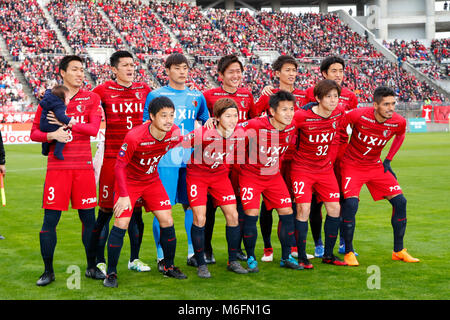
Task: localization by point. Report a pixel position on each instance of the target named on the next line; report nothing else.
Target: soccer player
(312, 169)
(190, 105)
(267, 139)
(372, 128)
(137, 177)
(331, 68)
(285, 68)
(2, 164)
(208, 172)
(123, 103)
(71, 179)
(230, 70)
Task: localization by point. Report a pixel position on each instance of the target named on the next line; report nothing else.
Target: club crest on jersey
(195, 103)
(334, 125)
(138, 95)
(124, 147)
(80, 108)
(386, 133)
(287, 138)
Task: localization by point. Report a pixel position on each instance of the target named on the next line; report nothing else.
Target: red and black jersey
(243, 98)
(85, 108)
(315, 135)
(369, 136)
(123, 108)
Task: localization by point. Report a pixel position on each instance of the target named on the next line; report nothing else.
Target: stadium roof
(283, 3)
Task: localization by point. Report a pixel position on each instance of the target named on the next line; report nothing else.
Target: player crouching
(137, 176)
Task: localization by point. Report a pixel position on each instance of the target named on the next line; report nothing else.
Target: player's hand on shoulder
(210, 123)
(267, 90)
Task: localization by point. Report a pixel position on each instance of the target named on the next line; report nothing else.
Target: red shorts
(107, 183)
(76, 186)
(273, 189)
(323, 184)
(380, 184)
(153, 194)
(218, 186)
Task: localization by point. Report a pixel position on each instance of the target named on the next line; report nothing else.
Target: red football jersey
(123, 110)
(140, 154)
(243, 98)
(212, 152)
(347, 100)
(315, 134)
(265, 145)
(85, 108)
(370, 136)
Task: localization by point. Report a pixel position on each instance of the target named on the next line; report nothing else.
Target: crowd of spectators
(25, 29)
(141, 29)
(243, 31)
(440, 48)
(195, 32)
(315, 35)
(12, 96)
(83, 25)
(408, 50)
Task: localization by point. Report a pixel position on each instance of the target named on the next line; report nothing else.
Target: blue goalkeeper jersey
(190, 105)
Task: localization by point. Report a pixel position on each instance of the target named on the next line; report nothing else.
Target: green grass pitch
(422, 166)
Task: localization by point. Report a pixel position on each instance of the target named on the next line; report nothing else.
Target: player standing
(267, 139)
(137, 177)
(208, 172)
(190, 105)
(71, 179)
(312, 169)
(123, 102)
(285, 68)
(372, 128)
(230, 70)
(331, 68)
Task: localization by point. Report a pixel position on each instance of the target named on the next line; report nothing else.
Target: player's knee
(349, 208)
(122, 223)
(199, 220)
(333, 209)
(398, 200)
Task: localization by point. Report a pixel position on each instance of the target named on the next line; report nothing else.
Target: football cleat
(333, 260)
(102, 267)
(2, 237)
(268, 255)
(209, 258)
(174, 272)
(241, 256)
(45, 279)
(138, 265)
(403, 256)
(161, 265)
(342, 249)
(305, 263)
(290, 263)
(203, 271)
(191, 261)
(236, 267)
(319, 251)
(95, 273)
(252, 265)
(350, 259)
(110, 281)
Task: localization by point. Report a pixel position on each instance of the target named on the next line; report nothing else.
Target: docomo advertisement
(19, 133)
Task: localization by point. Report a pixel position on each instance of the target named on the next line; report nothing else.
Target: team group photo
(157, 150)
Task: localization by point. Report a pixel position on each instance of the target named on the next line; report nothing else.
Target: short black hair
(226, 61)
(175, 58)
(115, 57)
(382, 92)
(281, 95)
(282, 60)
(159, 103)
(328, 61)
(64, 63)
